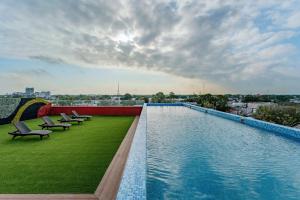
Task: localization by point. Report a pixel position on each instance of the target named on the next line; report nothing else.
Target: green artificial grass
(71, 161)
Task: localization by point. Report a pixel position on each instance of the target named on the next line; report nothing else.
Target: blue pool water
(194, 155)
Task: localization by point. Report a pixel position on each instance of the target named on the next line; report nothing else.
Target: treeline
(268, 98)
(171, 97)
(160, 97)
(217, 102)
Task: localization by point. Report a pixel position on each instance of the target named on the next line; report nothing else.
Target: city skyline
(86, 47)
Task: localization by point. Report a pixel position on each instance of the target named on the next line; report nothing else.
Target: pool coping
(133, 183)
(284, 131)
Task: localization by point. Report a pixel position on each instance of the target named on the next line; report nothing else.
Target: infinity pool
(194, 155)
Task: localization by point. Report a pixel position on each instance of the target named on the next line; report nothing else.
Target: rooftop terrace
(98, 160)
(69, 162)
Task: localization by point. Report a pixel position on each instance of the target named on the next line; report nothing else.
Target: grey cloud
(48, 59)
(26, 74)
(35, 73)
(226, 42)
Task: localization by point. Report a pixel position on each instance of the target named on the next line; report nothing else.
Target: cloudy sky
(185, 46)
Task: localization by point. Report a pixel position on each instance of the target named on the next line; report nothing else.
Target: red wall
(44, 110)
(98, 110)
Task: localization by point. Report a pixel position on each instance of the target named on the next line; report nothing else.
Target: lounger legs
(41, 136)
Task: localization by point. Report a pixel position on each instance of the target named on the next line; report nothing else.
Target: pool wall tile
(133, 183)
(276, 128)
(215, 112)
(282, 130)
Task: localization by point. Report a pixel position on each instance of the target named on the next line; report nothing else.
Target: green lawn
(71, 161)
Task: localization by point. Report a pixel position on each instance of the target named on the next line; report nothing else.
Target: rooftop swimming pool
(193, 155)
(196, 155)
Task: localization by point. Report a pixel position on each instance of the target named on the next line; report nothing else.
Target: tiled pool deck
(133, 184)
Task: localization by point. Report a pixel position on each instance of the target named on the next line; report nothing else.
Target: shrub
(285, 115)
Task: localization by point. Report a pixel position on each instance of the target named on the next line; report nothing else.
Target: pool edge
(133, 182)
(267, 126)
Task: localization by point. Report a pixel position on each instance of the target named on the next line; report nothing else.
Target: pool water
(194, 155)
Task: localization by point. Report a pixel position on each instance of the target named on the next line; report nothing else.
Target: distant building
(295, 100)
(17, 94)
(43, 94)
(116, 98)
(29, 92)
(247, 109)
(297, 126)
(255, 105)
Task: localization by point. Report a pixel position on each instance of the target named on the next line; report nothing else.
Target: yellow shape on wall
(25, 106)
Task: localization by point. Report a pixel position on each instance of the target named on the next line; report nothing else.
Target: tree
(218, 102)
(250, 98)
(159, 97)
(146, 99)
(172, 95)
(206, 100)
(257, 98)
(127, 96)
(221, 103)
(285, 115)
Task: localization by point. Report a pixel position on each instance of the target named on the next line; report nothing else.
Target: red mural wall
(97, 110)
(44, 110)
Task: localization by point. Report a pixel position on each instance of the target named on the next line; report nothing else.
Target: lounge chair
(76, 115)
(23, 130)
(48, 123)
(66, 118)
